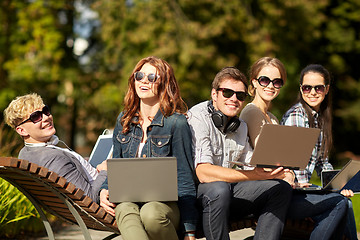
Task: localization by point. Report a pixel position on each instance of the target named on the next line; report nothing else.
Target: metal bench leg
(46, 223)
(79, 220)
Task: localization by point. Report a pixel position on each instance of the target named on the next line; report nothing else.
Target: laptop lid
(287, 146)
(102, 150)
(347, 178)
(142, 179)
(336, 180)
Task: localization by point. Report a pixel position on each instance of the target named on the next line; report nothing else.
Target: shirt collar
(313, 112)
(54, 140)
(158, 119)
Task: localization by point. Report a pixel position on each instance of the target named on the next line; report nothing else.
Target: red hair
(167, 88)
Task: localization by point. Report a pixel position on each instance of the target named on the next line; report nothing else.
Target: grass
(17, 214)
(356, 205)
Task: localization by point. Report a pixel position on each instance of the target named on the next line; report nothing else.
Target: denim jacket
(166, 136)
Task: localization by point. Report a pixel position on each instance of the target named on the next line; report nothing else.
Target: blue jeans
(327, 210)
(268, 199)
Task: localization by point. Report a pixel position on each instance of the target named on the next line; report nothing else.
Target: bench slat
(40, 183)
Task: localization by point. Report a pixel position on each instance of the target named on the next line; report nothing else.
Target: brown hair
(229, 73)
(260, 64)
(167, 88)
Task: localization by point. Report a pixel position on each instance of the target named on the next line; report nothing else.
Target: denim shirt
(166, 136)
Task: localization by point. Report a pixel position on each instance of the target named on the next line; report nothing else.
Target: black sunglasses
(228, 93)
(265, 81)
(36, 116)
(152, 77)
(308, 88)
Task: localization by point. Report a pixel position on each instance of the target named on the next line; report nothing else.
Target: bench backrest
(49, 189)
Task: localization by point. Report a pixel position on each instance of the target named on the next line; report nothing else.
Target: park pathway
(73, 232)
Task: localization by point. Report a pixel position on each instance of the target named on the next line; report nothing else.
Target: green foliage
(356, 203)
(10, 141)
(35, 44)
(197, 38)
(17, 214)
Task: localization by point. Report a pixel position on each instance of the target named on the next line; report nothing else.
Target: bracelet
(189, 234)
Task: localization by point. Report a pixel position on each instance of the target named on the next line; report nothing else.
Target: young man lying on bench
(32, 120)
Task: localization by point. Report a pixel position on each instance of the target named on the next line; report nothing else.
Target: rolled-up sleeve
(201, 143)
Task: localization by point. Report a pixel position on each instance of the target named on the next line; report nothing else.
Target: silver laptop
(102, 150)
(142, 179)
(286, 146)
(347, 178)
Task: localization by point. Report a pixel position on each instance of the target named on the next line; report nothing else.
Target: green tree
(197, 38)
(342, 39)
(36, 57)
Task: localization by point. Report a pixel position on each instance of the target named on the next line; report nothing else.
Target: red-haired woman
(153, 124)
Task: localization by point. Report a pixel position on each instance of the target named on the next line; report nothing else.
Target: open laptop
(347, 178)
(102, 150)
(327, 175)
(142, 179)
(286, 146)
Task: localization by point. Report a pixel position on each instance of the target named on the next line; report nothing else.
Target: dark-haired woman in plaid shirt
(313, 109)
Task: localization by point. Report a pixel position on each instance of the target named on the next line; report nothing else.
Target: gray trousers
(267, 199)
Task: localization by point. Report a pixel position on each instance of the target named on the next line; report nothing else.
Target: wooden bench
(51, 192)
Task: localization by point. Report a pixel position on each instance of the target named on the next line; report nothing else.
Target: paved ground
(73, 233)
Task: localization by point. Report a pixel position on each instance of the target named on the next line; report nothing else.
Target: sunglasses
(152, 77)
(265, 81)
(308, 88)
(37, 116)
(228, 93)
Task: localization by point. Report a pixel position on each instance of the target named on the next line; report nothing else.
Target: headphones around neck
(221, 121)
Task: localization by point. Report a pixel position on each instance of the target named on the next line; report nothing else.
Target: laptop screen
(102, 150)
(327, 175)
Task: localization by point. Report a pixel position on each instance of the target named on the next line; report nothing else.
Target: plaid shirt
(296, 116)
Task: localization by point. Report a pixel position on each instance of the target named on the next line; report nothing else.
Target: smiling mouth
(269, 92)
(49, 125)
(232, 105)
(313, 98)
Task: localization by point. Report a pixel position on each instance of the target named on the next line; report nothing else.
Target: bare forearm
(212, 173)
